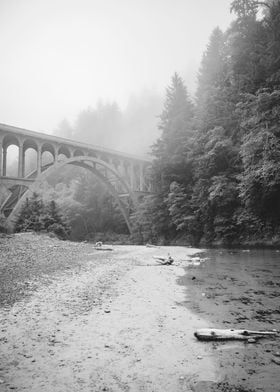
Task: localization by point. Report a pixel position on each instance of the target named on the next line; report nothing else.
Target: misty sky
(60, 56)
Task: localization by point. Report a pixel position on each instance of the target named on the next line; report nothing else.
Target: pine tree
(213, 97)
(31, 215)
(173, 147)
(37, 216)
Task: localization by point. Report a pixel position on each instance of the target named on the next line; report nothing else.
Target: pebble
(251, 340)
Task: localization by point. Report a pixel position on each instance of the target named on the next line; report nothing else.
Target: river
(240, 289)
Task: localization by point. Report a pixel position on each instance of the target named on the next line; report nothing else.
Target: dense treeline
(217, 162)
(38, 216)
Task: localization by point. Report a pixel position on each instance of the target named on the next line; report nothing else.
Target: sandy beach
(110, 321)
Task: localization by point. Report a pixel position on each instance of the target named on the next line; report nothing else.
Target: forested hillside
(217, 162)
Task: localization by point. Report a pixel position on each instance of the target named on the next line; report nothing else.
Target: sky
(59, 57)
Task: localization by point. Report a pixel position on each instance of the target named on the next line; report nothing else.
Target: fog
(63, 58)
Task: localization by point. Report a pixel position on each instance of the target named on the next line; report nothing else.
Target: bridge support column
(20, 161)
(4, 161)
(39, 161)
(131, 175)
(1, 159)
(55, 155)
(141, 174)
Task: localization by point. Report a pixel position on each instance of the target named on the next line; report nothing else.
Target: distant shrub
(3, 224)
(38, 217)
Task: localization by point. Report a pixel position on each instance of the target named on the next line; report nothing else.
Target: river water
(240, 289)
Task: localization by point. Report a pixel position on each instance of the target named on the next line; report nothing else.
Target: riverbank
(74, 318)
(81, 319)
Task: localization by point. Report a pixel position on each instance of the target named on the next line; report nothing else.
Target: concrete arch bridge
(124, 175)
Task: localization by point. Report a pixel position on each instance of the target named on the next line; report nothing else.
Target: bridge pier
(1, 158)
(21, 160)
(4, 167)
(39, 160)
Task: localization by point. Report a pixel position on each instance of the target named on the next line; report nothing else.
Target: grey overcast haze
(62, 56)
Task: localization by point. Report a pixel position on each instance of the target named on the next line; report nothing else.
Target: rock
(276, 360)
(251, 340)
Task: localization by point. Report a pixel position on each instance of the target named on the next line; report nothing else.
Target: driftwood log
(164, 260)
(103, 248)
(99, 246)
(209, 334)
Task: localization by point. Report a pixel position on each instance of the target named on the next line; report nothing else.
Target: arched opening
(63, 154)
(30, 153)
(30, 161)
(48, 154)
(10, 154)
(12, 158)
(78, 153)
(92, 154)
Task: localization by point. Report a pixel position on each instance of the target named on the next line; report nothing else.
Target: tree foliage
(38, 216)
(217, 163)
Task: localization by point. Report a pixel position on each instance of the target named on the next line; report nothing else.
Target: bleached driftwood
(99, 246)
(164, 260)
(231, 334)
(104, 248)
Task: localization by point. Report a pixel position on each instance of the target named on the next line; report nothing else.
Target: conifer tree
(176, 123)
(36, 216)
(212, 98)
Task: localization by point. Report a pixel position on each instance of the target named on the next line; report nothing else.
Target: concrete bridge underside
(125, 175)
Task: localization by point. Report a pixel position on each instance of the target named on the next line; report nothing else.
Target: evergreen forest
(217, 162)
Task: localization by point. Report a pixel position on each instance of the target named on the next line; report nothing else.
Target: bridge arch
(63, 150)
(90, 163)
